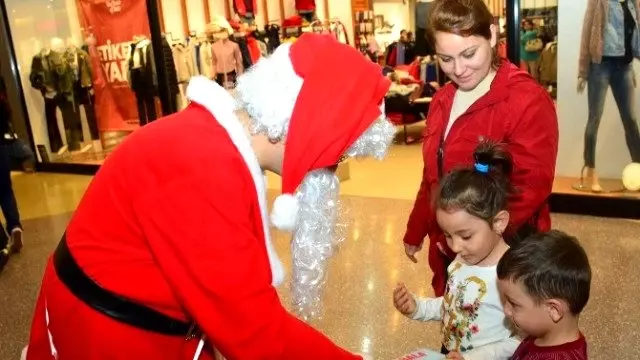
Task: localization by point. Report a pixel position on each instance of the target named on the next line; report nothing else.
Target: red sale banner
(113, 24)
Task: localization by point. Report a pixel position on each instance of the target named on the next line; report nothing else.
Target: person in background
(13, 242)
(487, 98)
(528, 57)
(401, 47)
(546, 282)
(410, 49)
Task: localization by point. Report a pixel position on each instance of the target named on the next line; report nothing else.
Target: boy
(545, 283)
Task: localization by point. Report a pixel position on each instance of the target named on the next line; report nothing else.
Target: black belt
(113, 305)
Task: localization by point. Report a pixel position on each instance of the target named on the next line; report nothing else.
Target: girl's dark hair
(482, 189)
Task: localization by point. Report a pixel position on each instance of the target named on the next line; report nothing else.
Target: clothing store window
(88, 74)
(597, 101)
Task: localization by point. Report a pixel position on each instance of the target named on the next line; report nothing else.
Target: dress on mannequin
(608, 63)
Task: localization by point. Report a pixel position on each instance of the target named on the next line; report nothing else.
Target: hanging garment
(142, 69)
(254, 49)
(195, 55)
(273, 35)
(185, 68)
(244, 50)
(305, 5)
(549, 64)
(245, 7)
(206, 60)
(171, 74)
(264, 51)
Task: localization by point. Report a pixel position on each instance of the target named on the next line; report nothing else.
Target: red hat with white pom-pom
(333, 95)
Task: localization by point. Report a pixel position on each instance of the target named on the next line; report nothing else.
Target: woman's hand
(411, 251)
(454, 355)
(404, 301)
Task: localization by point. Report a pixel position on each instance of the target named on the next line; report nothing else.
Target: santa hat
(326, 98)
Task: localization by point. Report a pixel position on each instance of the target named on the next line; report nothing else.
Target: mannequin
(606, 56)
(142, 78)
(52, 75)
(226, 55)
(80, 62)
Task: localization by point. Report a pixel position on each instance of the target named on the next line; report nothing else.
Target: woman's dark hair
(482, 189)
(464, 18)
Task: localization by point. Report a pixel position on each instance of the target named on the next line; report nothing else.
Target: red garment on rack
(242, 7)
(254, 49)
(293, 21)
(305, 5)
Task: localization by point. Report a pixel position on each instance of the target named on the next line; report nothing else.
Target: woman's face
(465, 60)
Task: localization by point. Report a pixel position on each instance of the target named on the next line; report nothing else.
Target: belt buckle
(193, 332)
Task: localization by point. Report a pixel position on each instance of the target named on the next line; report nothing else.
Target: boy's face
(530, 317)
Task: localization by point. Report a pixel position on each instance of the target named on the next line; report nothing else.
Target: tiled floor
(358, 311)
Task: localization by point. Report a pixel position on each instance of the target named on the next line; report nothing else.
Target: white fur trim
(222, 105)
(285, 212)
(23, 355)
(269, 91)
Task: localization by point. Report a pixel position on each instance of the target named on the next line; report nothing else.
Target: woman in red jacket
(488, 98)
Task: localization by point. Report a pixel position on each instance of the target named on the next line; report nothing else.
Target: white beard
(314, 240)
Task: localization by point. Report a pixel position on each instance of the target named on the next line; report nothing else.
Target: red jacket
(515, 111)
(174, 223)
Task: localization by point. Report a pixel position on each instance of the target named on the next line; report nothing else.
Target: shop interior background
(31, 28)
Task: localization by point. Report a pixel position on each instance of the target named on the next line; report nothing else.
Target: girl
(471, 211)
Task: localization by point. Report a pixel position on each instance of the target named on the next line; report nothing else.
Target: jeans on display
(7, 197)
(617, 74)
(70, 119)
(146, 109)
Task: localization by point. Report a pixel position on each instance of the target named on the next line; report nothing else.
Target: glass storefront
(91, 72)
(596, 100)
(74, 64)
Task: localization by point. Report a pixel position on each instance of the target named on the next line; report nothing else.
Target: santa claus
(168, 254)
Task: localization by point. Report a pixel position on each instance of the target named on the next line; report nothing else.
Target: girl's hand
(454, 355)
(403, 300)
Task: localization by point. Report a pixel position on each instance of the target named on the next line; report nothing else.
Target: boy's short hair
(550, 265)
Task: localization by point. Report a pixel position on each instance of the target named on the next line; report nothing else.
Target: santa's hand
(365, 356)
(403, 300)
(454, 355)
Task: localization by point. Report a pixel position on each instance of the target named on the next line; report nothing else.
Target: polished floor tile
(358, 313)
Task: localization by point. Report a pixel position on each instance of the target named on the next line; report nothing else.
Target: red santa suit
(176, 220)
